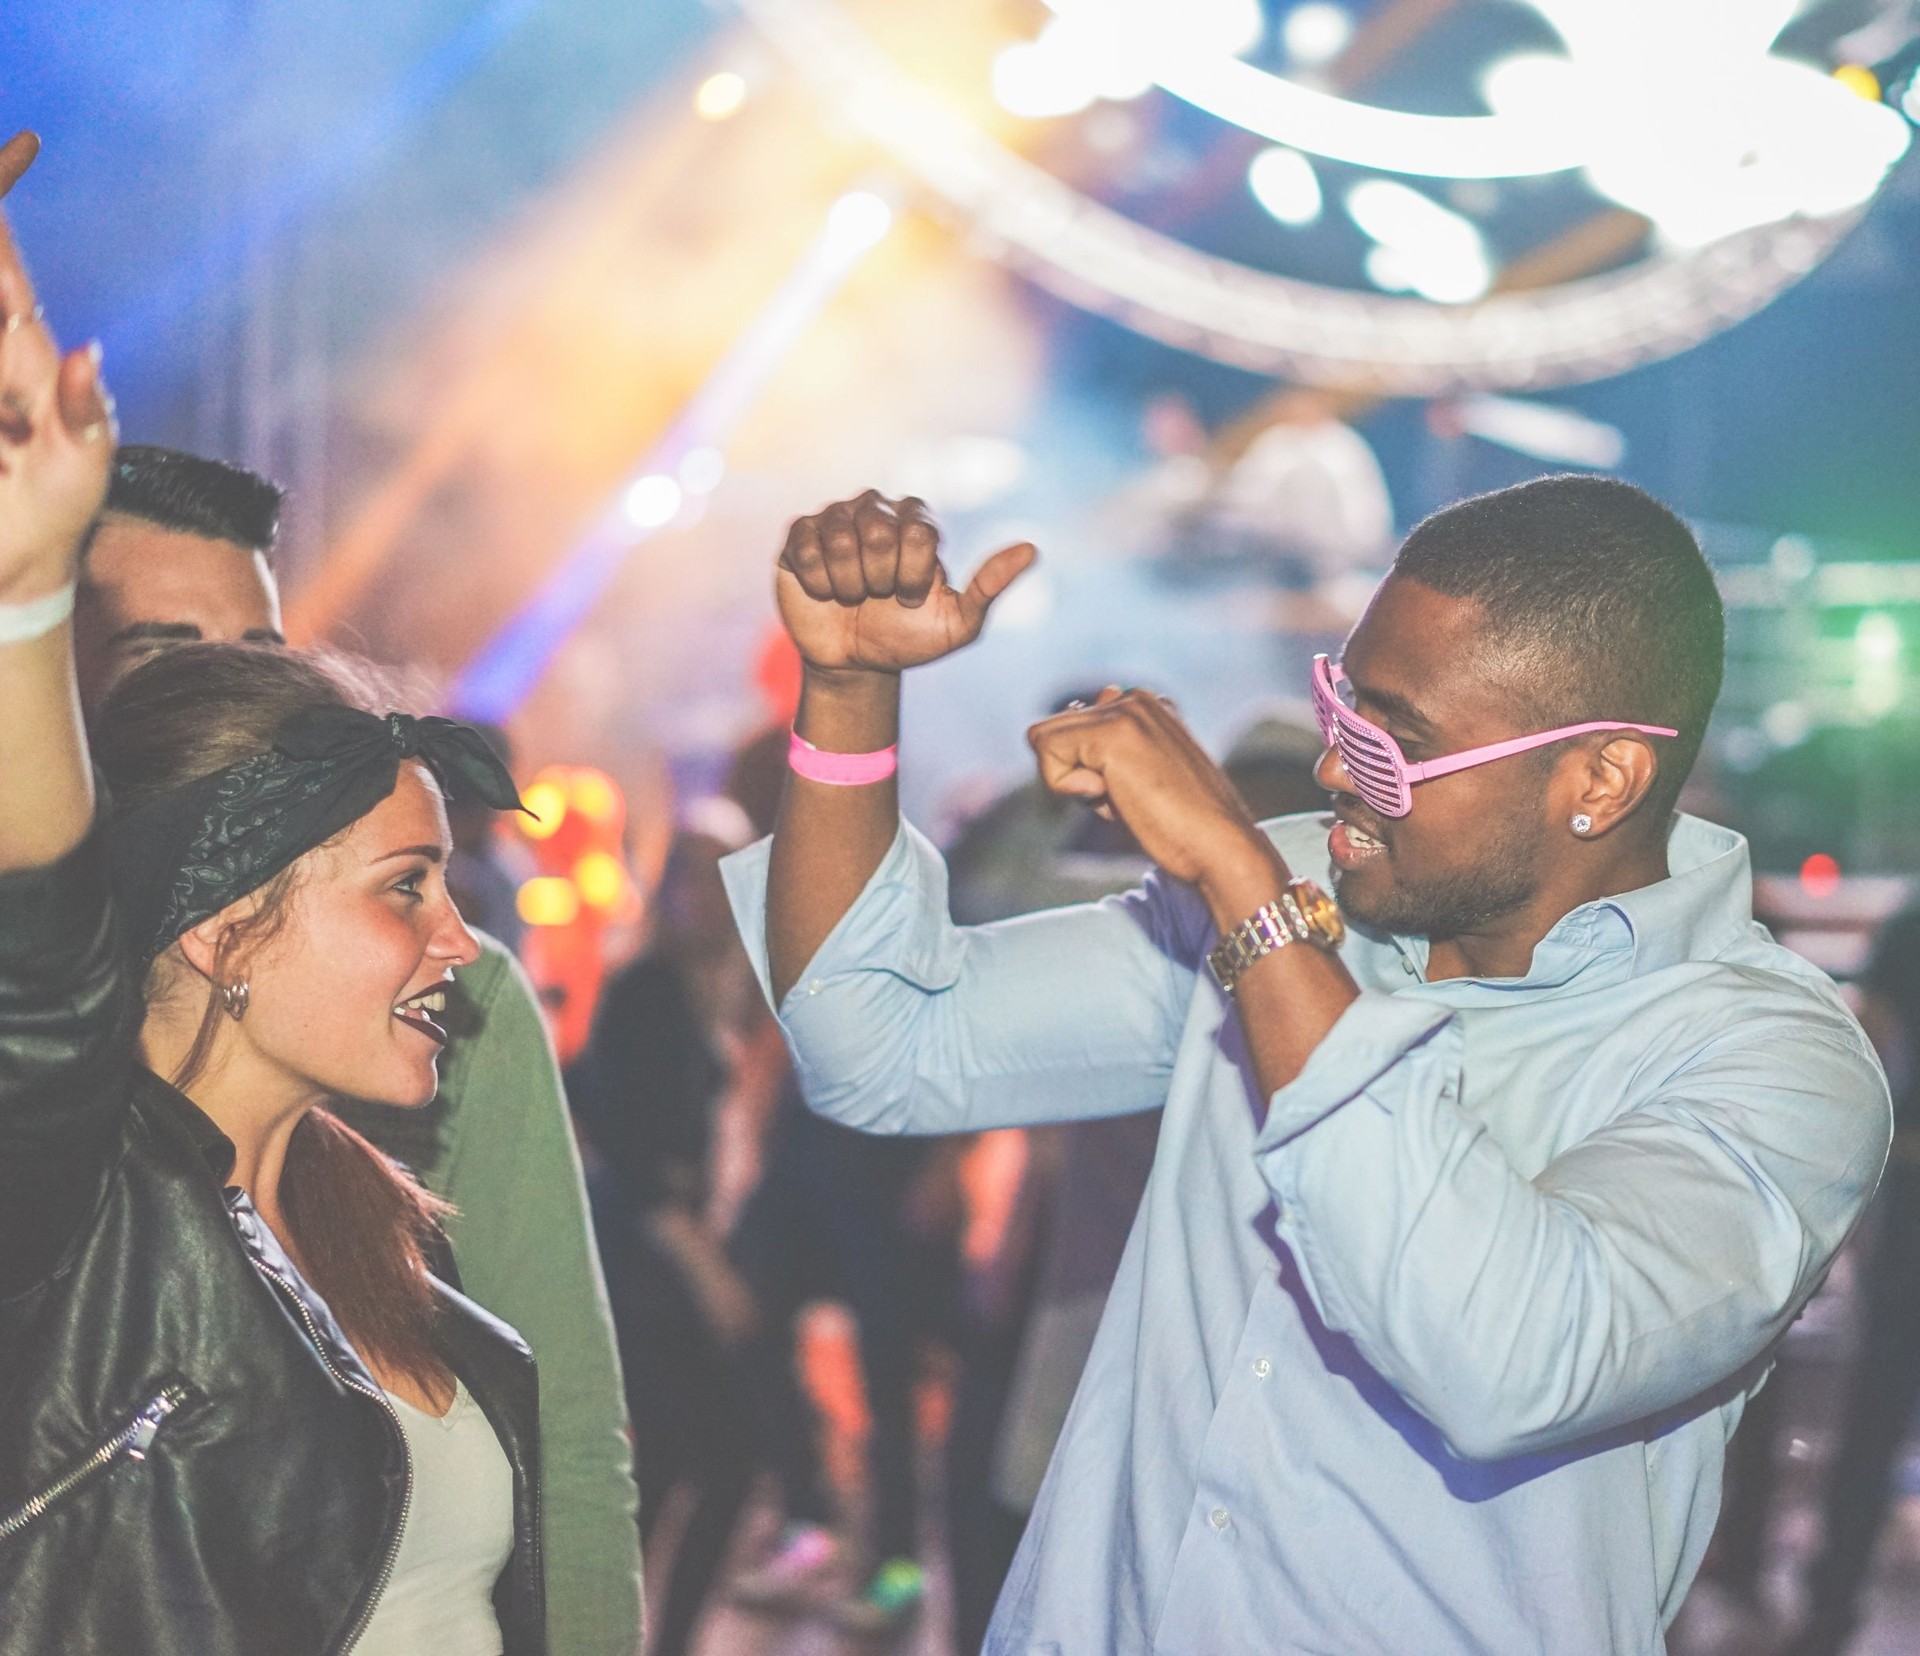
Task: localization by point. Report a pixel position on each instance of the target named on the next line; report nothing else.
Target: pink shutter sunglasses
(1379, 770)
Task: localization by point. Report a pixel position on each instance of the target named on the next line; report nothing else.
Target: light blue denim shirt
(1438, 1349)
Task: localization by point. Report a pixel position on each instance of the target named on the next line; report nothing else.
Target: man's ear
(1616, 777)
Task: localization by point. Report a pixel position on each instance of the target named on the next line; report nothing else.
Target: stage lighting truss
(1583, 329)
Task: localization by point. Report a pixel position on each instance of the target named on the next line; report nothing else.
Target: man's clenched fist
(861, 587)
(1131, 757)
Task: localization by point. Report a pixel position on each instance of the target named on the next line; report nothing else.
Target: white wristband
(20, 623)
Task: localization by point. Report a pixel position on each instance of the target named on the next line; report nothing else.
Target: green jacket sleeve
(525, 1249)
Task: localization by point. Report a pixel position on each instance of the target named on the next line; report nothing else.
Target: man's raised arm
(864, 595)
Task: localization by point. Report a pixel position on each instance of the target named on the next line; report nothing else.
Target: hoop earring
(1582, 823)
(234, 997)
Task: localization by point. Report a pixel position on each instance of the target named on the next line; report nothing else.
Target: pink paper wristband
(840, 770)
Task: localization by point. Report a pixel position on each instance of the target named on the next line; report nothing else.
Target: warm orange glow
(548, 900)
(594, 796)
(548, 803)
(602, 882)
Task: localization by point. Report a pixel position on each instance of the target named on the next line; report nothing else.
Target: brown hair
(361, 1224)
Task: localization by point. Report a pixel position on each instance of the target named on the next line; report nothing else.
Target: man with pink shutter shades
(1486, 1185)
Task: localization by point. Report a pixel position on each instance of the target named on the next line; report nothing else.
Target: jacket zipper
(132, 1440)
(292, 1296)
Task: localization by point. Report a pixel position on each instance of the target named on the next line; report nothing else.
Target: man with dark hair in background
(1465, 1241)
(182, 552)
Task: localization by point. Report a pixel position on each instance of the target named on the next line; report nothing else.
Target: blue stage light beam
(177, 293)
(686, 461)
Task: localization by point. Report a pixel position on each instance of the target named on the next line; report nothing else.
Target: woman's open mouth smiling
(416, 1012)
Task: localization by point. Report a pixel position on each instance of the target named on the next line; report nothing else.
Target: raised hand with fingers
(861, 587)
(56, 440)
(16, 155)
(56, 445)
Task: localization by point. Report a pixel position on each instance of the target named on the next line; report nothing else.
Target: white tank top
(458, 1537)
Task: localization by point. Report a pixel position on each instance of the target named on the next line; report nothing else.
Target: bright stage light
(1643, 76)
(1792, 558)
(600, 879)
(548, 900)
(1879, 682)
(546, 804)
(653, 501)
(1272, 324)
(1094, 49)
(1820, 876)
(1786, 724)
(1530, 84)
(1877, 638)
(1423, 247)
(1067, 67)
(1186, 55)
(1036, 84)
(1768, 141)
(1542, 431)
(1316, 33)
(702, 469)
(687, 454)
(858, 220)
(1759, 140)
(1283, 181)
(720, 95)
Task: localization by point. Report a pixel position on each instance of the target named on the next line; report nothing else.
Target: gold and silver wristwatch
(1304, 914)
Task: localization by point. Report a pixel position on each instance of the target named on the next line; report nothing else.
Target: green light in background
(1879, 678)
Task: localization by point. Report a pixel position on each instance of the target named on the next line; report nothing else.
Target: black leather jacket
(193, 1461)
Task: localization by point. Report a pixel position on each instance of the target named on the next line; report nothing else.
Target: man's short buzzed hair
(194, 496)
(1601, 594)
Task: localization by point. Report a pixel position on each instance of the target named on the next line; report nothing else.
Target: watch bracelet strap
(1270, 927)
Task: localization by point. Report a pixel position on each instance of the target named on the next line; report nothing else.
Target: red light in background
(581, 888)
(1820, 876)
(776, 674)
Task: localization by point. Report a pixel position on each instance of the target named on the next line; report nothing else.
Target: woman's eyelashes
(410, 884)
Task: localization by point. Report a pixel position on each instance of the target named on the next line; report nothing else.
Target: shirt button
(815, 987)
(1261, 1368)
(1218, 1518)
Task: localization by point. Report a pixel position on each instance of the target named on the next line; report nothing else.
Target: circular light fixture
(859, 220)
(1283, 181)
(720, 95)
(653, 501)
(1315, 33)
(1583, 329)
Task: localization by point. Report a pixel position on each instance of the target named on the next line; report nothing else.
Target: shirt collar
(1702, 904)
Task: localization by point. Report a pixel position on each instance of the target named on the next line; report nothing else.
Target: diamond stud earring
(233, 999)
(1582, 822)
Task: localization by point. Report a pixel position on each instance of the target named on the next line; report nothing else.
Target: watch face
(1321, 912)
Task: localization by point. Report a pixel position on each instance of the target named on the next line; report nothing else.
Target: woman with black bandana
(241, 1415)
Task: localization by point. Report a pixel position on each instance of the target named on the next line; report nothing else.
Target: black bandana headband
(184, 855)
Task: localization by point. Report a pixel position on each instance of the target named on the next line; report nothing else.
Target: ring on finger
(19, 319)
